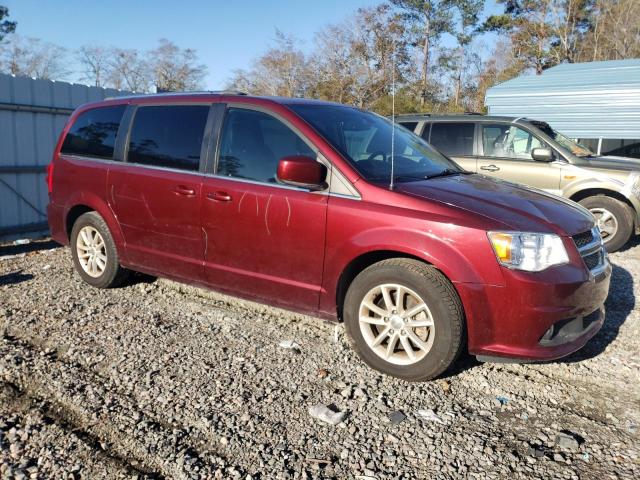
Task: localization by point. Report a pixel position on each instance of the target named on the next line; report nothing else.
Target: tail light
(50, 177)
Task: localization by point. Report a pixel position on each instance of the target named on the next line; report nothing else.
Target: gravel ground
(158, 380)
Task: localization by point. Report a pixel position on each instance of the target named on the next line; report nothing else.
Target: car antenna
(393, 111)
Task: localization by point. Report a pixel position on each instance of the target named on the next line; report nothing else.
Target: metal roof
(581, 100)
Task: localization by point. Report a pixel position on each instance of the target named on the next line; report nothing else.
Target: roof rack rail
(227, 92)
(163, 94)
(473, 113)
(413, 114)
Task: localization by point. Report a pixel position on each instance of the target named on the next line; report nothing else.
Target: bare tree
(175, 69)
(282, 70)
(129, 71)
(32, 57)
(333, 68)
(95, 62)
(614, 31)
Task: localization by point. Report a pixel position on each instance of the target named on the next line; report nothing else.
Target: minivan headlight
(532, 252)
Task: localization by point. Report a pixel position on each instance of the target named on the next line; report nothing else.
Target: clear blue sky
(226, 34)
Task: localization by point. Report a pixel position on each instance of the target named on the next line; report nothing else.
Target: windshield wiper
(447, 172)
(417, 178)
(408, 178)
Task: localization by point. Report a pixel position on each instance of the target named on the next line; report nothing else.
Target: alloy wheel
(91, 250)
(606, 222)
(396, 324)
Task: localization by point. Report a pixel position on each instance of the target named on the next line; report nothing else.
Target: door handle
(490, 168)
(219, 196)
(184, 191)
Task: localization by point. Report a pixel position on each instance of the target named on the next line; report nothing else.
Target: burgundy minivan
(299, 204)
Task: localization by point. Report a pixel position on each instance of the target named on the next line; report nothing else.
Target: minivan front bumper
(536, 316)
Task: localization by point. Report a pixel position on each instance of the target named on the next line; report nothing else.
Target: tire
(106, 272)
(621, 220)
(419, 282)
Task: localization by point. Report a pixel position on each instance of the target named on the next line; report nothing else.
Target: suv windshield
(364, 139)
(574, 147)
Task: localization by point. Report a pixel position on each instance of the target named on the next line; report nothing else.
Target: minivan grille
(582, 239)
(593, 260)
(589, 245)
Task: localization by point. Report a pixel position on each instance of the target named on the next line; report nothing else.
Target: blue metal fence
(32, 115)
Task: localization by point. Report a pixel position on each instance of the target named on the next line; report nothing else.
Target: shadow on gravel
(14, 277)
(136, 278)
(633, 242)
(11, 249)
(619, 305)
(465, 362)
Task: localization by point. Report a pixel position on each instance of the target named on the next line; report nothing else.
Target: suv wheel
(613, 218)
(94, 252)
(405, 319)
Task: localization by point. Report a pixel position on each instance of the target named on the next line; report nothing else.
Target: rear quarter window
(453, 139)
(93, 134)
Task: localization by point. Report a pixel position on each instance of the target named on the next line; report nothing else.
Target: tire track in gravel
(94, 408)
(54, 417)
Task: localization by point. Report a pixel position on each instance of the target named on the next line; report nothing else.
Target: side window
(453, 139)
(508, 141)
(623, 148)
(94, 133)
(411, 126)
(168, 136)
(590, 143)
(252, 144)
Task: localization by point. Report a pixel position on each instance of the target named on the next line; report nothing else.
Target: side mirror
(542, 155)
(301, 171)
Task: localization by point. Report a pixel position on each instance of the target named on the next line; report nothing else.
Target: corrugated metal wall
(32, 115)
(581, 100)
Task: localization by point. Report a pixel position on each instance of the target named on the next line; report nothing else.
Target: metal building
(32, 115)
(595, 102)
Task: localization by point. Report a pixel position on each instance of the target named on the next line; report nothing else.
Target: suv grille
(589, 245)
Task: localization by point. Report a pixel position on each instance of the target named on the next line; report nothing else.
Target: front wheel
(405, 319)
(614, 219)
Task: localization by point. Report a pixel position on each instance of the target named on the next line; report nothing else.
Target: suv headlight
(532, 252)
(632, 185)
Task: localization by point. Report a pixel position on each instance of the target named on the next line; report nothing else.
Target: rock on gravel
(326, 414)
(567, 441)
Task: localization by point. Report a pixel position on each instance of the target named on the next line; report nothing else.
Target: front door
(263, 239)
(506, 154)
(155, 194)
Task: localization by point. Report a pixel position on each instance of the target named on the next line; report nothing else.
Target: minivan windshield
(574, 147)
(364, 139)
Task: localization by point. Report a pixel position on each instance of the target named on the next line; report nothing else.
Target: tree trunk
(425, 64)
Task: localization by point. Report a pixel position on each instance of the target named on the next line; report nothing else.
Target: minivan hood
(613, 163)
(516, 207)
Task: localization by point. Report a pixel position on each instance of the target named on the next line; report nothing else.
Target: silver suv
(529, 151)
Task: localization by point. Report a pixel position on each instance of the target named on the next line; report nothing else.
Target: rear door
(506, 154)
(456, 140)
(264, 240)
(155, 193)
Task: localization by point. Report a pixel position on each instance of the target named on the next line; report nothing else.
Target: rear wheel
(94, 252)
(613, 218)
(405, 319)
